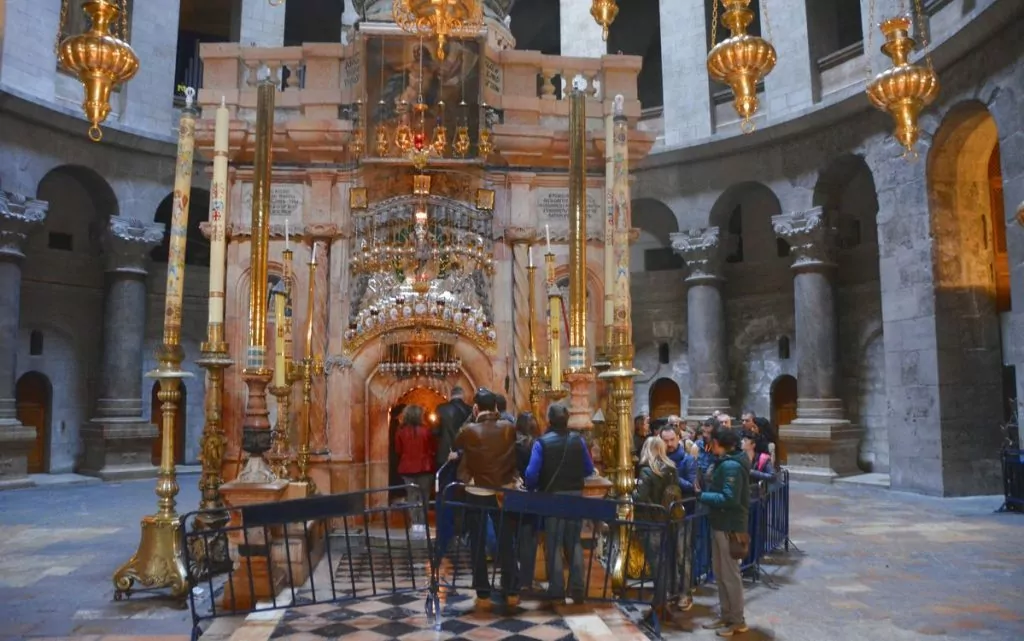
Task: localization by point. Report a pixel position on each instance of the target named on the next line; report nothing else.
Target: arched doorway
(426, 398)
(969, 258)
(783, 410)
(665, 399)
(33, 394)
(179, 426)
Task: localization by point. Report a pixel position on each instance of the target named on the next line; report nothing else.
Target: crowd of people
(489, 450)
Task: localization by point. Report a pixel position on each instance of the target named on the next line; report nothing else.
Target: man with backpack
(728, 500)
(559, 464)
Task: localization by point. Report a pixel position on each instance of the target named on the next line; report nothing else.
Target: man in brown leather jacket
(489, 463)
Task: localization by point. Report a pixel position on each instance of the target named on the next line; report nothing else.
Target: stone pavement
(874, 565)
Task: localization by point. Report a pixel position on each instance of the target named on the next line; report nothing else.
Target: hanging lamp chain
(714, 24)
(922, 28)
(62, 25)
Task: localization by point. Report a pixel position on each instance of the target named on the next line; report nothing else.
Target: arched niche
(743, 215)
(653, 250)
(33, 398)
(969, 354)
(846, 193)
(665, 399)
(197, 247)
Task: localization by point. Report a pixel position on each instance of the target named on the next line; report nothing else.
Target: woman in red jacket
(416, 448)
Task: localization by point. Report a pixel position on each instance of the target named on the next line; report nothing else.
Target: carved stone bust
(380, 10)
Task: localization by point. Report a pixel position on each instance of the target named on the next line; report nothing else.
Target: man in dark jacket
(488, 464)
(451, 416)
(728, 500)
(559, 464)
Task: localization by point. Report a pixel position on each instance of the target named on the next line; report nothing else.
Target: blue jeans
(562, 539)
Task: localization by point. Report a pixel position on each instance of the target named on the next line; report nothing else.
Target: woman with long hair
(656, 474)
(415, 447)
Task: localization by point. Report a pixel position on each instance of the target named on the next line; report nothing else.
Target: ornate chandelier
(101, 57)
(604, 12)
(420, 356)
(741, 60)
(904, 89)
(441, 19)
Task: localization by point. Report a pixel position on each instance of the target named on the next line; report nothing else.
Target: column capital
(702, 251)
(808, 236)
(127, 243)
(19, 218)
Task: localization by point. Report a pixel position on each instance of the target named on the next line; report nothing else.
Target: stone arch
(653, 250)
(100, 192)
(34, 397)
(197, 247)
(665, 399)
(80, 204)
(743, 213)
(969, 350)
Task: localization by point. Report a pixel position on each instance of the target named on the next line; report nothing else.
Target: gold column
(580, 377)
(158, 561)
(622, 371)
(256, 426)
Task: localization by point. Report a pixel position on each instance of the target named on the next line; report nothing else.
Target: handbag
(739, 545)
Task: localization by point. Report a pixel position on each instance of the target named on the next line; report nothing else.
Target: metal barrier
(1013, 480)
(767, 525)
(278, 549)
(588, 531)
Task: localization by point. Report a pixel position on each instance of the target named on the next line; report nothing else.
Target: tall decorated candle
(218, 212)
(179, 221)
(280, 367)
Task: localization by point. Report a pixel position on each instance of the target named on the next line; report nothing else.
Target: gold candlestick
(533, 370)
(281, 449)
(210, 556)
(158, 561)
(311, 366)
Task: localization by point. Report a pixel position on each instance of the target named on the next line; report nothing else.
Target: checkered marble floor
(404, 617)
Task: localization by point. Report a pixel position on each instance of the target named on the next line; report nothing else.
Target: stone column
(705, 322)
(118, 442)
(821, 443)
(684, 50)
(520, 238)
(19, 217)
(581, 35)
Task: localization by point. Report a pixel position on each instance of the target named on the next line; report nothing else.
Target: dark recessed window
(735, 249)
(781, 248)
(61, 241)
(663, 353)
(784, 348)
(662, 259)
(35, 343)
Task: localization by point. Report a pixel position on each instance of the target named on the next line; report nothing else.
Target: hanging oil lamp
(461, 144)
(486, 144)
(904, 89)
(604, 13)
(403, 134)
(741, 60)
(358, 144)
(100, 58)
(440, 138)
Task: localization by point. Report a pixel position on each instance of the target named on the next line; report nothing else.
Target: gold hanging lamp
(101, 57)
(904, 89)
(441, 19)
(741, 60)
(604, 12)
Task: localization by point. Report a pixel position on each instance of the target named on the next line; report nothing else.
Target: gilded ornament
(741, 60)
(100, 58)
(604, 13)
(440, 19)
(904, 89)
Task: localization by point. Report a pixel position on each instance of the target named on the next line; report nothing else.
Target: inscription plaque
(285, 201)
(553, 205)
(352, 71)
(493, 78)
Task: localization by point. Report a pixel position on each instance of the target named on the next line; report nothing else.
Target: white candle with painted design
(179, 222)
(218, 215)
